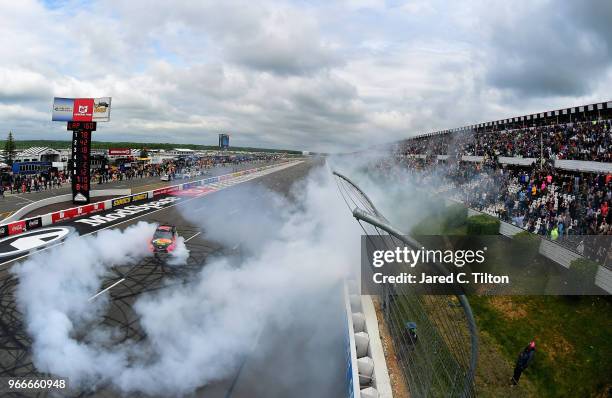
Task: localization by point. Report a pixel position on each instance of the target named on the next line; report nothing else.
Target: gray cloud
(330, 77)
(549, 49)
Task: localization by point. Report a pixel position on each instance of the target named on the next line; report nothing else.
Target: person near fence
(523, 360)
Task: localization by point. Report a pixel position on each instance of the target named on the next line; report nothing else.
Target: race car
(164, 239)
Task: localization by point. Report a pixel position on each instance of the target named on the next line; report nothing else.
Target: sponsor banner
(16, 227)
(192, 184)
(64, 215)
(127, 211)
(33, 223)
(122, 201)
(129, 199)
(165, 191)
(140, 196)
(81, 109)
(63, 108)
(119, 152)
(199, 191)
(101, 109)
(92, 208)
(3, 231)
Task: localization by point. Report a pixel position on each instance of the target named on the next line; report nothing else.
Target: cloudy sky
(312, 75)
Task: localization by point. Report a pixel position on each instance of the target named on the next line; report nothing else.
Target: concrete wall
(584, 165)
(62, 198)
(509, 230)
(555, 252)
(558, 253)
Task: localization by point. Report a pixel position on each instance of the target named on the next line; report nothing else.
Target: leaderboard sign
(81, 149)
(81, 109)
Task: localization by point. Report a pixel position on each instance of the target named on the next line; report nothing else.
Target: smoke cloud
(53, 294)
(180, 254)
(293, 254)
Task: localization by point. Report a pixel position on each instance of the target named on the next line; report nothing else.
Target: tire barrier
(365, 377)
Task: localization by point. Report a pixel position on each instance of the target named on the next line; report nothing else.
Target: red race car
(164, 239)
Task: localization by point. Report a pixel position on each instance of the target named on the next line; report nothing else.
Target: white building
(38, 154)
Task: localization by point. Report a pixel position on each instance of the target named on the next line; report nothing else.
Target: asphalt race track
(279, 370)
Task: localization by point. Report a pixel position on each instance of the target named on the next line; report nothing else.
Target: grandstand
(549, 173)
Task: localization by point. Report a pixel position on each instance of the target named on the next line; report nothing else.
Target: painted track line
(191, 237)
(107, 289)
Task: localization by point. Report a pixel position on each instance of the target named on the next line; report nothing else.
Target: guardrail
(28, 224)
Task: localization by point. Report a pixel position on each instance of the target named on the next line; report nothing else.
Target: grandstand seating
(553, 202)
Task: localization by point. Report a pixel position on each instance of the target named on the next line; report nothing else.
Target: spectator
(522, 362)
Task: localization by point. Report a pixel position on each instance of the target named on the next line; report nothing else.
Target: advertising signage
(119, 152)
(81, 109)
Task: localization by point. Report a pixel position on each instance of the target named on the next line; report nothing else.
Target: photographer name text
(459, 277)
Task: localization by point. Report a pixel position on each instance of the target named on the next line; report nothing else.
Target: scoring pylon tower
(81, 159)
(82, 115)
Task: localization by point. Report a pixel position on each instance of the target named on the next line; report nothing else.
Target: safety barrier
(366, 369)
(59, 199)
(549, 249)
(19, 226)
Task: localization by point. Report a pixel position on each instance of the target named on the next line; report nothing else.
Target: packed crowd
(18, 184)
(574, 141)
(565, 206)
(32, 183)
(545, 201)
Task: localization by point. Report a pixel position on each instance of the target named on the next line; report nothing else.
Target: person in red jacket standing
(523, 360)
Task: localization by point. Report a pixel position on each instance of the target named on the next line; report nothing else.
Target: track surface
(273, 370)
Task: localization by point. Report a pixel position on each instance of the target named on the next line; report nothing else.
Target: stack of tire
(365, 363)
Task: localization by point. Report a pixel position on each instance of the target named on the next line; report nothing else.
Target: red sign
(64, 214)
(92, 208)
(163, 191)
(119, 152)
(83, 109)
(16, 227)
